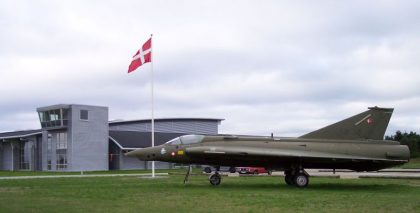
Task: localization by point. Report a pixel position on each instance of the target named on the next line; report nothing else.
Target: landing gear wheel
(215, 179)
(289, 180)
(301, 180)
(232, 169)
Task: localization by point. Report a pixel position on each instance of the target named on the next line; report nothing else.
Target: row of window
(53, 115)
(60, 139)
(59, 117)
(53, 118)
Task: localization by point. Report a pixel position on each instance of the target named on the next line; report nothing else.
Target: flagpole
(153, 118)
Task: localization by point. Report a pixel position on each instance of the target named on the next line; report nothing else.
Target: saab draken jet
(355, 143)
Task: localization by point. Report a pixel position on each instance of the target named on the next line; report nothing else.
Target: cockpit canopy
(186, 139)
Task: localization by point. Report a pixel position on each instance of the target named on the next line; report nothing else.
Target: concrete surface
(80, 176)
(347, 174)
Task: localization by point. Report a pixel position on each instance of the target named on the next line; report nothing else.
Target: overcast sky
(287, 67)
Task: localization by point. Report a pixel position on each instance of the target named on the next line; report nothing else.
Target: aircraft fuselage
(281, 153)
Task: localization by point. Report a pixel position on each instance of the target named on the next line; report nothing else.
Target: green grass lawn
(235, 194)
(413, 164)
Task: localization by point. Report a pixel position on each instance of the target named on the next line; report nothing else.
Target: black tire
(207, 170)
(255, 172)
(289, 180)
(232, 169)
(215, 179)
(269, 172)
(301, 180)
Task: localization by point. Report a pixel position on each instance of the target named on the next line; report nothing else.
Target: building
(80, 138)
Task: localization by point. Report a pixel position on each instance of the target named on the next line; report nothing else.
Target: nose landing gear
(215, 179)
(188, 174)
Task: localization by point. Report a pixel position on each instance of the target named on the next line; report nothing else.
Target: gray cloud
(281, 67)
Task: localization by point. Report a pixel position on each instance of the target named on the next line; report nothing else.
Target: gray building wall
(1, 155)
(130, 163)
(178, 126)
(160, 165)
(115, 156)
(43, 156)
(38, 150)
(10, 156)
(33, 157)
(187, 126)
(88, 150)
(7, 156)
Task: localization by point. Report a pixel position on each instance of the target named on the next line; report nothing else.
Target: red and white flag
(142, 56)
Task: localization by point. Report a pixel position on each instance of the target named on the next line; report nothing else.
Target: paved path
(386, 173)
(80, 176)
(345, 174)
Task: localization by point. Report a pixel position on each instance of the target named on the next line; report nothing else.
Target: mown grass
(235, 194)
(413, 164)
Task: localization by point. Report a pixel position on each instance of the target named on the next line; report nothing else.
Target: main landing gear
(297, 177)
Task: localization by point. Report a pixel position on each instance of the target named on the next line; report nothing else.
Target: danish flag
(142, 56)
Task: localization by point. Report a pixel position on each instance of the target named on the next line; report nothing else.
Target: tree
(412, 140)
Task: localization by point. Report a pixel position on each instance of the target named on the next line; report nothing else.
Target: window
(53, 118)
(189, 139)
(186, 139)
(65, 116)
(54, 115)
(84, 115)
(174, 141)
(61, 160)
(41, 116)
(49, 151)
(61, 151)
(24, 155)
(62, 140)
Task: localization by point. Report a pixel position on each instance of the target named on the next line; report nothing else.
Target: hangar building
(77, 137)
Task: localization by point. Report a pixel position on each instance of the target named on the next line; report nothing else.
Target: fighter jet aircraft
(355, 143)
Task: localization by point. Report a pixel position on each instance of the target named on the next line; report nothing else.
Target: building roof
(19, 134)
(116, 122)
(64, 106)
(133, 140)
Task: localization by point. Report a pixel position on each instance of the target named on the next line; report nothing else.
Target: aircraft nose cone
(139, 153)
(145, 154)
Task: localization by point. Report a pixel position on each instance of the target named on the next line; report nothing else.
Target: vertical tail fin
(370, 124)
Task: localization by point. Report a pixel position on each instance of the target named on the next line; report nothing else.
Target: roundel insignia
(163, 151)
(369, 121)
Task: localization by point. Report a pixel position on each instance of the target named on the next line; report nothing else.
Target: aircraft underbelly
(349, 156)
